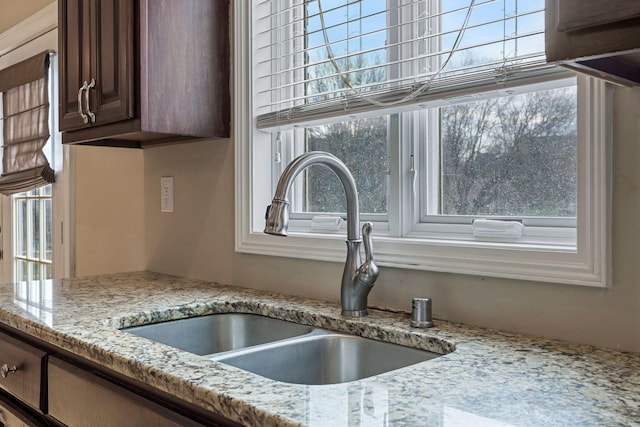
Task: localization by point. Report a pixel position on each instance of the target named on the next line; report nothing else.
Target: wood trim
(41, 22)
(575, 15)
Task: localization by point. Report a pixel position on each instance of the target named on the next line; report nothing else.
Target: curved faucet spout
(278, 212)
(357, 279)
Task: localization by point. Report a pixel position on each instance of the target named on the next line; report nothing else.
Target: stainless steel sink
(216, 333)
(324, 358)
(281, 350)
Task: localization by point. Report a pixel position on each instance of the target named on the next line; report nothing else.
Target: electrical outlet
(166, 194)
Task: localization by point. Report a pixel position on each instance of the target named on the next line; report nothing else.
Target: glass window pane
(48, 248)
(510, 156)
(34, 208)
(346, 46)
(362, 146)
(35, 270)
(20, 273)
(21, 228)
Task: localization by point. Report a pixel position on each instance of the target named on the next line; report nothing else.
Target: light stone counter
(487, 378)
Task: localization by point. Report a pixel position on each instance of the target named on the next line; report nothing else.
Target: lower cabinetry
(42, 385)
(21, 383)
(21, 368)
(14, 414)
(79, 398)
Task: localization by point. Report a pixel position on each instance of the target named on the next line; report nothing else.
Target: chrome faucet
(357, 279)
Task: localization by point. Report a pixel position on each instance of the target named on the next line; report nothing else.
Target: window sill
(550, 263)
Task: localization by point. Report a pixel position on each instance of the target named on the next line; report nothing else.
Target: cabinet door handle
(86, 99)
(6, 370)
(84, 87)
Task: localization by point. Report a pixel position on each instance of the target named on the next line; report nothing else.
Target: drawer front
(12, 415)
(79, 398)
(21, 366)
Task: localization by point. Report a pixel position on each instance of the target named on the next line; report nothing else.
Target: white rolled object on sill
(497, 228)
(326, 223)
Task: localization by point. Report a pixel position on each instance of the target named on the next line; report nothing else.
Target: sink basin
(282, 350)
(325, 357)
(216, 333)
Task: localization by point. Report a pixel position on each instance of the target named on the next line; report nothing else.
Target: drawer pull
(6, 370)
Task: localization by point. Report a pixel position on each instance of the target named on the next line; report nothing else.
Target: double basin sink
(282, 350)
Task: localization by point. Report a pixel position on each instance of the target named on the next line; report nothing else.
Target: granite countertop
(487, 378)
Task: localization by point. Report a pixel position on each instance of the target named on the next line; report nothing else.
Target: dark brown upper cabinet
(600, 38)
(136, 73)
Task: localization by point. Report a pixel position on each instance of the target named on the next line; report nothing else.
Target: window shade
(318, 59)
(25, 123)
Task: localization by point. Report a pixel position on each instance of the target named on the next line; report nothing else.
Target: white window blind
(319, 59)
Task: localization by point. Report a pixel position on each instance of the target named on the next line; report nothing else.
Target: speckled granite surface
(487, 378)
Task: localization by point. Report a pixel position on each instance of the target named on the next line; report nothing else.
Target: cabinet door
(96, 46)
(112, 63)
(73, 49)
(79, 399)
(579, 14)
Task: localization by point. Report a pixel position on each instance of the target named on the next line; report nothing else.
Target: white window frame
(588, 263)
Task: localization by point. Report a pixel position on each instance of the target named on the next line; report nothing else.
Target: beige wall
(197, 241)
(109, 210)
(119, 227)
(13, 12)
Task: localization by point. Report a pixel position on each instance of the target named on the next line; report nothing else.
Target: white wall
(197, 241)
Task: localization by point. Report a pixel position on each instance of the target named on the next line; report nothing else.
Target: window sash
(428, 155)
(418, 66)
(38, 247)
(420, 174)
(408, 216)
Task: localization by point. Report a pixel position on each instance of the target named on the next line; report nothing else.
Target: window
(451, 122)
(28, 215)
(32, 235)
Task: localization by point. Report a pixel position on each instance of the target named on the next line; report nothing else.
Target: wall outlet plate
(166, 194)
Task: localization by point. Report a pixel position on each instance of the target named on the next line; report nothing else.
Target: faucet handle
(367, 228)
(368, 271)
